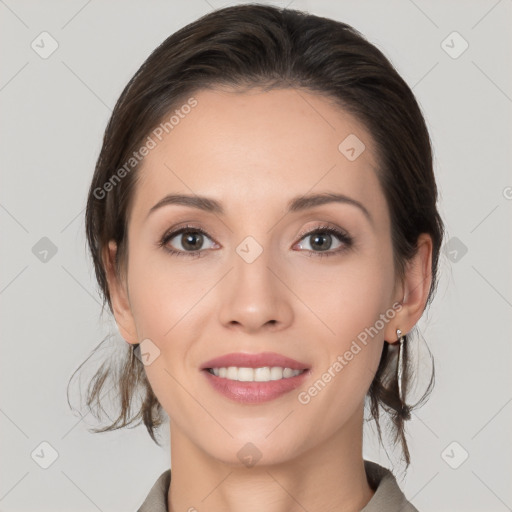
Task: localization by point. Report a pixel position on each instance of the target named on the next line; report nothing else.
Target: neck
(330, 477)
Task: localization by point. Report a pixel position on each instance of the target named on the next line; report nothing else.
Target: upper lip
(244, 360)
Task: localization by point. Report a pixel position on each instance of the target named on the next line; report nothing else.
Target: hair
(249, 46)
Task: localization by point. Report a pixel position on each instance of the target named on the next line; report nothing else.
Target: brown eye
(191, 241)
(321, 242)
(186, 240)
(325, 241)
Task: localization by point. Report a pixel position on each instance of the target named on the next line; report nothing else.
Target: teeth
(288, 372)
(232, 373)
(264, 374)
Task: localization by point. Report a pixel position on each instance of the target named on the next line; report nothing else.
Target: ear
(119, 296)
(414, 292)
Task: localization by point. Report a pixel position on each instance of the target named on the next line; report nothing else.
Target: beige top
(387, 498)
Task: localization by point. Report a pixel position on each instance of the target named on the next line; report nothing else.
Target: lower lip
(254, 392)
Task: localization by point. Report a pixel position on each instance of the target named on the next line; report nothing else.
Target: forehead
(260, 147)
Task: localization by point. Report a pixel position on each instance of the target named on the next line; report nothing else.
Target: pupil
(192, 241)
(322, 242)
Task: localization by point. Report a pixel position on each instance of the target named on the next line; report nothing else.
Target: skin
(253, 151)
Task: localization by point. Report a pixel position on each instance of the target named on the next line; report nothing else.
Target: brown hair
(261, 46)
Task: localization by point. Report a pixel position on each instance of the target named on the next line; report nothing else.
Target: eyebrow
(295, 204)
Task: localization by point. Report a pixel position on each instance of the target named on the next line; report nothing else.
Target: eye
(190, 240)
(325, 241)
(186, 241)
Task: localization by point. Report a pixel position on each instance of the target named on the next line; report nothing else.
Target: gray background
(54, 112)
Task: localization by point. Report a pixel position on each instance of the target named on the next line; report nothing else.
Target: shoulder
(156, 500)
(388, 496)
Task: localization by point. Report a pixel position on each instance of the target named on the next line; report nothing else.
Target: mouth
(254, 378)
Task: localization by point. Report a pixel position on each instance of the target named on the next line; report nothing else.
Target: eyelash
(343, 237)
(169, 236)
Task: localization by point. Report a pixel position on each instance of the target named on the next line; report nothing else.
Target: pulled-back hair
(249, 46)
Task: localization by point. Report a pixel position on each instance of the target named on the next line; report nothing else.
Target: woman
(263, 225)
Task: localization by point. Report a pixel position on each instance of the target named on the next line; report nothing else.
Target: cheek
(347, 296)
(162, 291)
(170, 303)
(349, 300)
(166, 301)
(351, 344)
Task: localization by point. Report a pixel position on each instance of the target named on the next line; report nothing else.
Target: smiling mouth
(262, 374)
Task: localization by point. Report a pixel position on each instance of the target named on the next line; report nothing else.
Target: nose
(253, 297)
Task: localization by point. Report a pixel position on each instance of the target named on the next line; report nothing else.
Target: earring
(400, 363)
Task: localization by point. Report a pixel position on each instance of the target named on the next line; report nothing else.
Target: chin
(248, 451)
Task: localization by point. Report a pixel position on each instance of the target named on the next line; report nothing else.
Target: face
(255, 275)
